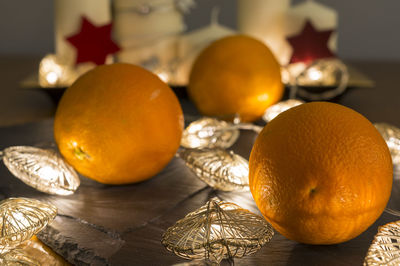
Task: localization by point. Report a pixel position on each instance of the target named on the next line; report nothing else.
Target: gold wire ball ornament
(391, 135)
(274, 110)
(218, 230)
(209, 133)
(385, 248)
(21, 218)
(220, 169)
(16, 257)
(45, 170)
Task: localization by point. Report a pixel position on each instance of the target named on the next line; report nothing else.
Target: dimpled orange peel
(236, 75)
(320, 173)
(118, 124)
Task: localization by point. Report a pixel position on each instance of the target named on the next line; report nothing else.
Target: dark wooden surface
(123, 225)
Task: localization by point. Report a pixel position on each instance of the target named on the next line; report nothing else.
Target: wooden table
(123, 225)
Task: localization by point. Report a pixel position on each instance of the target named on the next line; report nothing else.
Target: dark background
(368, 29)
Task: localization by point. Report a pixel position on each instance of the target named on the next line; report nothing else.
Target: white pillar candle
(147, 31)
(67, 17)
(265, 20)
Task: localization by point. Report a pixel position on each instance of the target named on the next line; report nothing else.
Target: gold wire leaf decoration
(21, 218)
(322, 73)
(32, 252)
(209, 133)
(218, 230)
(18, 257)
(274, 110)
(220, 169)
(45, 170)
(385, 248)
(391, 135)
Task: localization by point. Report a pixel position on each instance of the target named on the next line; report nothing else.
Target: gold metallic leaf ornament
(218, 230)
(322, 73)
(274, 110)
(18, 257)
(391, 135)
(385, 248)
(21, 218)
(209, 133)
(42, 169)
(32, 252)
(220, 169)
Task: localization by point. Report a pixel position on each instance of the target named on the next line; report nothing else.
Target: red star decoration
(310, 45)
(93, 43)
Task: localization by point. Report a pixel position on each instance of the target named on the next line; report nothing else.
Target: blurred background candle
(265, 20)
(67, 21)
(321, 16)
(192, 43)
(147, 31)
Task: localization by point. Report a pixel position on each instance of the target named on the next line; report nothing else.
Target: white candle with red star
(68, 18)
(322, 17)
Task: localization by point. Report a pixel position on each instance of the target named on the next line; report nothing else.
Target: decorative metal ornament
(209, 133)
(392, 212)
(16, 257)
(274, 110)
(220, 169)
(218, 230)
(391, 135)
(322, 72)
(213, 133)
(32, 252)
(42, 169)
(21, 218)
(385, 248)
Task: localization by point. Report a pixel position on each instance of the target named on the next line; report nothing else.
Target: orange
(235, 75)
(320, 173)
(118, 124)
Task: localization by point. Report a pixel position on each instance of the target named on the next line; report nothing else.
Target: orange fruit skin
(118, 124)
(235, 75)
(320, 173)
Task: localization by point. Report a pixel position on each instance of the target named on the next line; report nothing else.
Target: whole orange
(118, 124)
(236, 75)
(320, 173)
